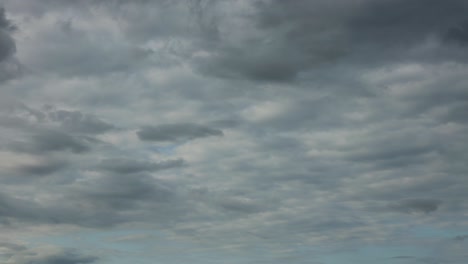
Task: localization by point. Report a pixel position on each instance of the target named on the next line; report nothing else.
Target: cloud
(12, 246)
(403, 257)
(41, 168)
(51, 140)
(276, 47)
(9, 67)
(48, 255)
(342, 126)
(176, 132)
(240, 205)
(458, 34)
(7, 44)
(416, 205)
(126, 166)
(63, 41)
(273, 48)
(461, 238)
(108, 200)
(77, 122)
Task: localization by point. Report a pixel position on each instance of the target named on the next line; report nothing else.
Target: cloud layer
(247, 131)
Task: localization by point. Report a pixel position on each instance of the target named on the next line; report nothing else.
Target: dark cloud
(276, 49)
(403, 257)
(416, 205)
(405, 22)
(7, 44)
(288, 39)
(241, 205)
(51, 140)
(461, 238)
(12, 246)
(105, 201)
(5, 24)
(64, 258)
(343, 120)
(458, 34)
(18, 209)
(393, 31)
(9, 67)
(125, 166)
(176, 132)
(125, 192)
(65, 42)
(42, 168)
(48, 255)
(77, 122)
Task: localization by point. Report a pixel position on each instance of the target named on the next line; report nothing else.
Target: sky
(233, 131)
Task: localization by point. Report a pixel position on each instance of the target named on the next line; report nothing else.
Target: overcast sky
(234, 131)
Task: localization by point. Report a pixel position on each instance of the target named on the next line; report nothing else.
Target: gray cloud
(277, 49)
(458, 34)
(64, 258)
(75, 121)
(47, 255)
(416, 205)
(241, 205)
(343, 127)
(461, 238)
(403, 257)
(64, 42)
(176, 132)
(107, 201)
(125, 166)
(124, 192)
(42, 168)
(12, 246)
(9, 67)
(7, 44)
(50, 140)
(408, 20)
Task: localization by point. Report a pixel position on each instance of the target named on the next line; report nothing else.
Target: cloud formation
(176, 132)
(125, 166)
(266, 131)
(45, 255)
(8, 65)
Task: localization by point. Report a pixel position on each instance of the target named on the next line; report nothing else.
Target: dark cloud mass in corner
(252, 131)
